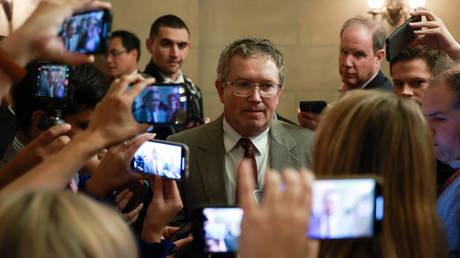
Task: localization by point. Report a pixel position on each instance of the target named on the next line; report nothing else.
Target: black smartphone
(400, 38)
(217, 229)
(52, 82)
(162, 105)
(162, 158)
(342, 208)
(313, 106)
(139, 189)
(87, 32)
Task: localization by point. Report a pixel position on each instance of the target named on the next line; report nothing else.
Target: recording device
(400, 38)
(313, 106)
(342, 208)
(162, 158)
(162, 105)
(87, 32)
(52, 88)
(139, 189)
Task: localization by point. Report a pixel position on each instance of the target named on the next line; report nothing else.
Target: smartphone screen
(345, 208)
(161, 158)
(162, 105)
(52, 81)
(221, 229)
(86, 32)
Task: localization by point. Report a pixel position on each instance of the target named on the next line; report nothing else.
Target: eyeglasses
(245, 89)
(115, 53)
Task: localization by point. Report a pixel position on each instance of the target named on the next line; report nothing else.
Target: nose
(174, 50)
(432, 129)
(255, 95)
(108, 58)
(348, 61)
(407, 91)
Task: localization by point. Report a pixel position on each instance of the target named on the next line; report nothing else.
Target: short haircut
(89, 85)
(129, 41)
(378, 32)
(451, 78)
(150, 95)
(246, 48)
(170, 21)
(431, 57)
(61, 224)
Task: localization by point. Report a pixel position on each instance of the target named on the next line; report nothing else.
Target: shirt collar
(365, 84)
(231, 138)
(16, 144)
(455, 164)
(167, 79)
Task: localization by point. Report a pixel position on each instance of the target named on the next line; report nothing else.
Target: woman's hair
(61, 224)
(369, 132)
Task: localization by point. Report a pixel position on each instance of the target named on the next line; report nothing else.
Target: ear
(279, 93)
(380, 55)
(220, 90)
(148, 44)
(134, 52)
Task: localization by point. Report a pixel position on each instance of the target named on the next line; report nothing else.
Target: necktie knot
(247, 146)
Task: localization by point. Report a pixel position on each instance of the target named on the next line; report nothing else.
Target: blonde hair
(379, 133)
(61, 224)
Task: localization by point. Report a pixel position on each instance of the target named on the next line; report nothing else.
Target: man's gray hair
(378, 32)
(246, 48)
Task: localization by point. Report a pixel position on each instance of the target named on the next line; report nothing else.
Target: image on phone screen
(52, 81)
(161, 104)
(161, 159)
(343, 208)
(222, 229)
(86, 32)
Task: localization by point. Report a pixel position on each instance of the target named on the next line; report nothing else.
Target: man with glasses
(169, 45)
(249, 83)
(122, 54)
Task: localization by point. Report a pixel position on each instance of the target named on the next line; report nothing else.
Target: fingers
(272, 188)
(139, 87)
(136, 142)
(49, 135)
(132, 216)
(157, 188)
(306, 181)
(246, 185)
(291, 179)
(120, 85)
(123, 198)
(171, 192)
(424, 12)
(181, 242)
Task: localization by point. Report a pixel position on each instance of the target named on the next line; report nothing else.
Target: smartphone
(162, 158)
(313, 106)
(52, 82)
(342, 208)
(217, 229)
(162, 105)
(87, 32)
(400, 38)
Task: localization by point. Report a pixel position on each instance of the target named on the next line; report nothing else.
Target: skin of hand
(165, 204)
(168, 232)
(46, 144)
(308, 119)
(434, 34)
(122, 199)
(103, 131)
(282, 218)
(115, 169)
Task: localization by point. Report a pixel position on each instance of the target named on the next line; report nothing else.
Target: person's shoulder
(293, 129)
(199, 133)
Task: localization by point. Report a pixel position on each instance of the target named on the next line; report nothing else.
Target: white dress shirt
(234, 153)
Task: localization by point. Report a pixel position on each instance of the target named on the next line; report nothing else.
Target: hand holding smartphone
(400, 38)
(313, 106)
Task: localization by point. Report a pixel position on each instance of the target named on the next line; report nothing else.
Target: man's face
(172, 102)
(444, 121)
(411, 79)
(169, 48)
(249, 116)
(71, 29)
(153, 102)
(357, 61)
(119, 61)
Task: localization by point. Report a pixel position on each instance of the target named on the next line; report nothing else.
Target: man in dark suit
(249, 83)
(362, 43)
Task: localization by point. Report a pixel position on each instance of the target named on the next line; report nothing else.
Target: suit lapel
(211, 163)
(282, 147)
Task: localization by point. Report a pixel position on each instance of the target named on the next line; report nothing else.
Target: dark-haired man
(169, 45)
(122, 54)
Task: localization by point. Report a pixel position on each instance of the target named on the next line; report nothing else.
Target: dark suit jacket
(380, 82)
(290, 146)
